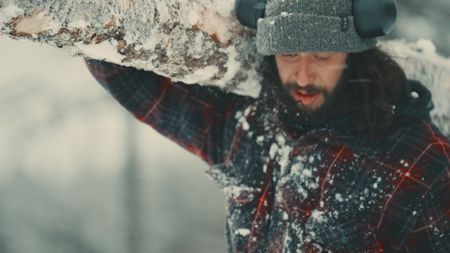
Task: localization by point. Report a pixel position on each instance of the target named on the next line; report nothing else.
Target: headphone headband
(373, 18)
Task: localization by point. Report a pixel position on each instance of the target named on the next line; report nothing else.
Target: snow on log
(191, 41)
(421, 62)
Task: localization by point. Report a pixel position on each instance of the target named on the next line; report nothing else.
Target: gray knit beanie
(292, 26)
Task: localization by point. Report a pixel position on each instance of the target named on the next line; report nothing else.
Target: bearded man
(338, 153)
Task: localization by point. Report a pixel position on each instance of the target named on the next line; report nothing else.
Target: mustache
(310, 89)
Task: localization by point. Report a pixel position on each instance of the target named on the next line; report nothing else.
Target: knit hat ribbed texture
(293, 26)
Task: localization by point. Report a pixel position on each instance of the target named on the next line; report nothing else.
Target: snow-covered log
(192, 41)
(196, 41)
(421, 62)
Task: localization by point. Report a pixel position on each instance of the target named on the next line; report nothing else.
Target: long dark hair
(370, 86)
(375, 83)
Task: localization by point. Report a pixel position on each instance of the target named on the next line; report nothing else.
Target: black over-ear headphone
(373, 18)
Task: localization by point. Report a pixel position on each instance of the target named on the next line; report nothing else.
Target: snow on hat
(292, 26)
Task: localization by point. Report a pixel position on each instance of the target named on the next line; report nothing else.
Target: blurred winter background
(79, 174)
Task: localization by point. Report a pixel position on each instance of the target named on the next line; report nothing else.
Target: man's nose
(304, 74)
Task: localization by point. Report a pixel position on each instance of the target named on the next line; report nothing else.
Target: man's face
(311, 78)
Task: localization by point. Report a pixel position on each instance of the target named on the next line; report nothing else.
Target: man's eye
(289, 55)
(322, 57)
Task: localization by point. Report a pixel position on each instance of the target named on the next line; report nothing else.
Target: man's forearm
(196, 117)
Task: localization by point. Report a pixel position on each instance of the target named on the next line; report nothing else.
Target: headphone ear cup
(374, 18)
(249, 11)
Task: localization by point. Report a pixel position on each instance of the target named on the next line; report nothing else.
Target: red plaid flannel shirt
(323, 192)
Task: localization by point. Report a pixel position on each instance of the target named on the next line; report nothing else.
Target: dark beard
(293, 113)
(295, 118)
(297, 107)
(310, 89)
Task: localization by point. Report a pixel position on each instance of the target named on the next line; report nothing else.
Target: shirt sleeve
(199, 118)
(432, 231)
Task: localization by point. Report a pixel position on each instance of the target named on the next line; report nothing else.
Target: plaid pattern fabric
(192, 116)
(322, 192)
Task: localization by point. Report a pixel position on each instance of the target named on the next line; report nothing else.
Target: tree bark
(192, 41)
